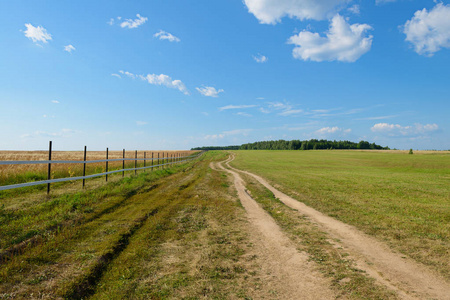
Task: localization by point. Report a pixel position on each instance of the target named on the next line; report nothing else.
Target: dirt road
(407, 278)
(286, 267)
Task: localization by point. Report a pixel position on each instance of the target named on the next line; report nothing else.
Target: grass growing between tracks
(175, 233)
(347, 280)
(403, 199)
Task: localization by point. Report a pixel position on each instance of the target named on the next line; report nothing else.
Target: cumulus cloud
(343, 42)
(429, 32)
(209, 91)
(165, 80)
(37, 34)
(69, 48)
(398, 130)
(272, 11)
(260, 58)
(330, 130)
(55, 101)
(116, 75)
(129, 23)
(235, 107)
(163, 35)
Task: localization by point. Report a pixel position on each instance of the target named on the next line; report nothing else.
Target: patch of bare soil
(285, 271)
(408, 278)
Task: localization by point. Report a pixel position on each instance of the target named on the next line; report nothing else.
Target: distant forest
(299, 145)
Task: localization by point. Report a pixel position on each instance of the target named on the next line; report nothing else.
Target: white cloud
(328, 130)
(398, 130)
(209, 91)
(243, 132)
(378, 118)
(378, 2)
(141, 123)
(355, 9)
(37, 34)
(285, 108)
(162, 35)
(69, 48)
(165, 80)
(110, 22)
(429, 32)
(272, 11)
(133, 23)
(63, 133)
(214, 136)
(243, 114)
(263, 110)
(55, 101)
(131, 75)
(161, 79)
(260, 58)
(235, 107)
(279, 105)
(343, 42)
(116, 75)
(290, 112)
(332, 130)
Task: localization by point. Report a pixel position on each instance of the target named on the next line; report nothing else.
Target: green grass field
(167, 234)
(181, 232)
(400, 198)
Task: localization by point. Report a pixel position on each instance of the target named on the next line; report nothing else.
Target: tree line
(312, 144)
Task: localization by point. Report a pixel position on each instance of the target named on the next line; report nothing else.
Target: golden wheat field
(11, 174)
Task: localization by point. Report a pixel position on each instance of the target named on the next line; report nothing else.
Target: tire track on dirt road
(288, 268)
(403, 275)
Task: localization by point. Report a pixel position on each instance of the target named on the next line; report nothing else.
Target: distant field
(403, 199)
(12, 174)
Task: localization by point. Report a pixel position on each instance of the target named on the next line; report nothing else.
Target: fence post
(84, 167)
(123, 164)
(145, 156)
(135, 163)
(152, 162)
(158, 160)
(49, 174)
(107, 164)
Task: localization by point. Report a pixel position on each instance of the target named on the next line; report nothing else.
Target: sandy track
(405, 276)
(287, 270)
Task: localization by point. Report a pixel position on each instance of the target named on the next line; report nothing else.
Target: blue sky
(168, 74)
